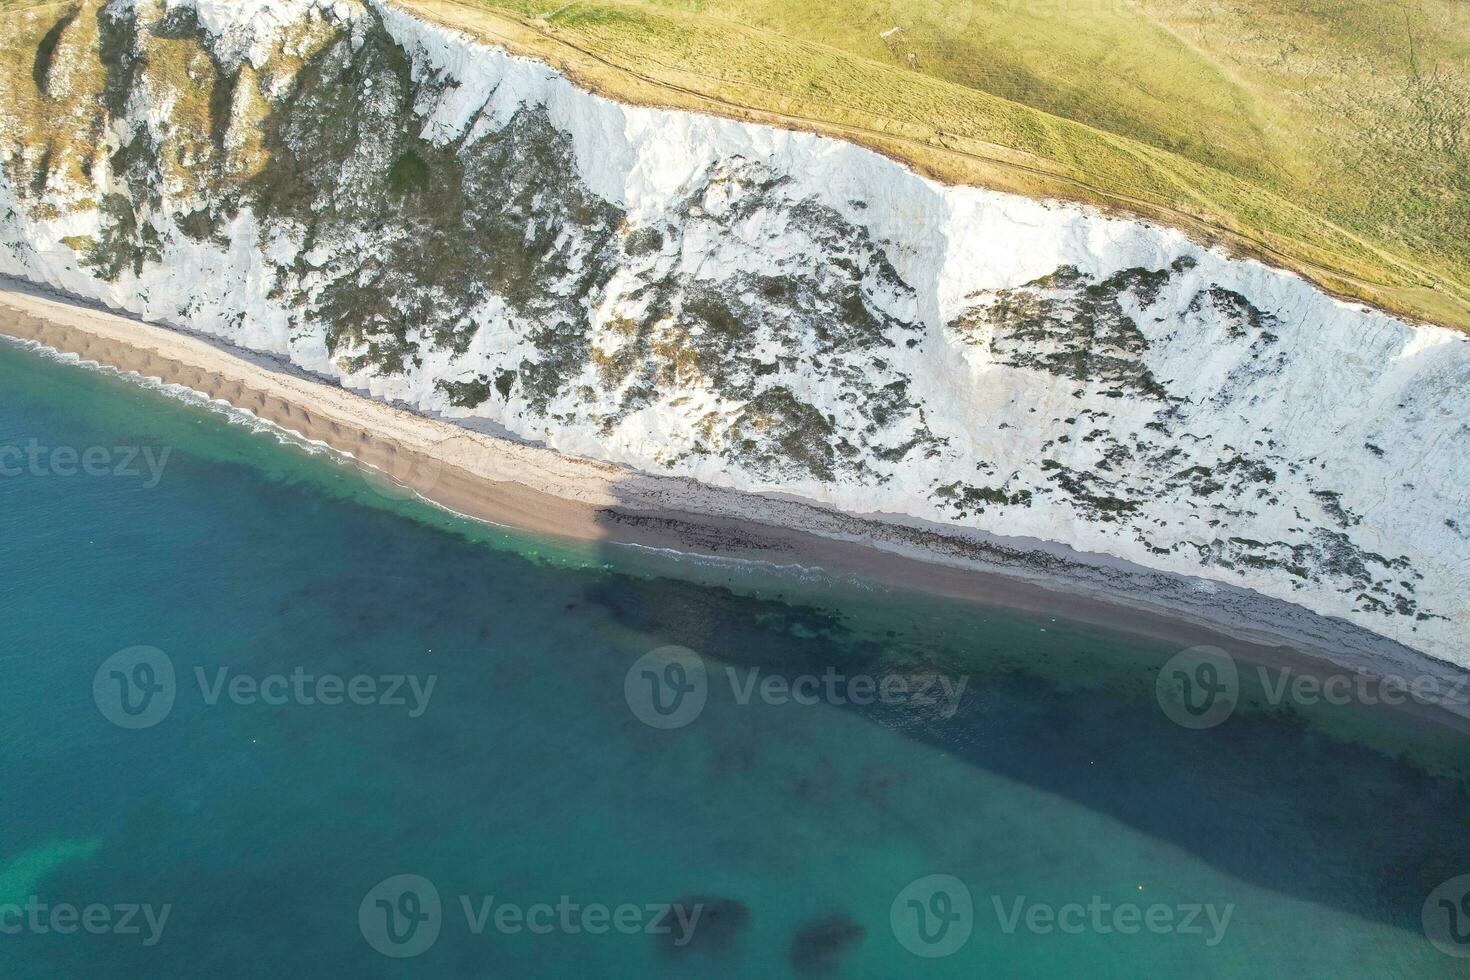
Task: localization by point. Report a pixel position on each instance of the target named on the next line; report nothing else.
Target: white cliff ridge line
(1357, 417)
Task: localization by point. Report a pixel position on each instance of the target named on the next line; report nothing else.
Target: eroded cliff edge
(398, 206)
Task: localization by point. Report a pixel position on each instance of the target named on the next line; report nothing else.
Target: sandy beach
(486, 477)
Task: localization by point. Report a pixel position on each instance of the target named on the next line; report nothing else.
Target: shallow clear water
(1058, 787)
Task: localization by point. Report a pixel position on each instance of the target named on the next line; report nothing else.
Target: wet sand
(538, 490)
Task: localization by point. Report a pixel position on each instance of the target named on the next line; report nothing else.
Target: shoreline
(501, 481)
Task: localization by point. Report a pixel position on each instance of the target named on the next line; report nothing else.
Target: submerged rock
(821, 943)
(719, 927)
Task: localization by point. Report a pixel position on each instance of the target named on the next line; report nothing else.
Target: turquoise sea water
(1061, 806)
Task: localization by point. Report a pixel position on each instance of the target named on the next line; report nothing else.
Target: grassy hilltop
(1329, 136)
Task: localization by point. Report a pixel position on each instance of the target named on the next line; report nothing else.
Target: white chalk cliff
(432, 219)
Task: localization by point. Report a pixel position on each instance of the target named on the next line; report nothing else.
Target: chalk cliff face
(420, 215)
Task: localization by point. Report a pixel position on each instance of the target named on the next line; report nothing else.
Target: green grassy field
(1329, 136)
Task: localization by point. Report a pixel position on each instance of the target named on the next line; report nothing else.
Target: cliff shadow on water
(1359, 807)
